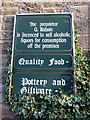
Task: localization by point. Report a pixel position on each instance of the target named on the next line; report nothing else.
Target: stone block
(5, 61)
(1, 76)
(6, 0)
(0, 59)
(8, 26)
(30, 4)
(0, 48)
(0, 35)
(76, 3)
(67, 2)
(0, 23)
(89, 41)
(9, 11)
(1, 98)
(29, 7)
(0, 3)
(3, 70)
(9, 4)
(8, 19)
(83, 41)
(80, 19)
(85, 53)
(7, 35)
(51, 4)
(18, 0)
(0, 11)
(49, 10)
(1, 88)
(6, 112)
(5, 46)
(29, 10)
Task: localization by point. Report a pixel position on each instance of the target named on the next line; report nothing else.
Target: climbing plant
(54, 107)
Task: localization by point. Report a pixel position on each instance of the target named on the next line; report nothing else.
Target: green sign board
(42, 57)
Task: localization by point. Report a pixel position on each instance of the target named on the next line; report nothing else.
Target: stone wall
(8, 8)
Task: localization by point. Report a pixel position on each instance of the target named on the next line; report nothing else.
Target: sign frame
(73, 47)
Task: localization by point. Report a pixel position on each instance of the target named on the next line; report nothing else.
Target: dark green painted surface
(29, 61)
(63, 23)
(51, 81)
(43, 55)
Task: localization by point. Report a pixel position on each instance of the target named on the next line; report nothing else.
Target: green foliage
(54, 107)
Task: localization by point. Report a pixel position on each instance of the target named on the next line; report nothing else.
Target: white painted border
(73, 52)
(42, 14)
(12, 54)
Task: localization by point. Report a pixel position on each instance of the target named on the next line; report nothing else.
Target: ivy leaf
(36, 115)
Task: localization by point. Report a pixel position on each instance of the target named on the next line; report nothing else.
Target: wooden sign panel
(42, 57)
